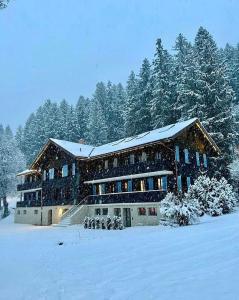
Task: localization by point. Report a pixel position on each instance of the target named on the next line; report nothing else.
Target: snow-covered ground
(194, 262)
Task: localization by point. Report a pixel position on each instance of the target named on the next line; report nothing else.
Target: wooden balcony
(127, 197)
(29, 185)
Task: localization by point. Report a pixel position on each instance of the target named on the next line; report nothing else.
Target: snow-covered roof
(27, 171)
(164, 133)
(143, 138)
(79, 150)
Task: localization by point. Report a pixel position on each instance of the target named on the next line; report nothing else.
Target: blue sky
(55, 49)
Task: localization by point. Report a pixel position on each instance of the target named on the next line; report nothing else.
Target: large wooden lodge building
(128, 178)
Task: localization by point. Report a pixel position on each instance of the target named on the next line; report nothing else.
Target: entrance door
(49, 216)
(127, 217)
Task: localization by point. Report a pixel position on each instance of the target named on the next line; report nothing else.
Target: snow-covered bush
(180, 211)
(199, 191)
(221, 198)
(120, 223)
(215, 197)
(108, 223)
(115, 222)
(86, 222)
(97, 223)
(102, 223)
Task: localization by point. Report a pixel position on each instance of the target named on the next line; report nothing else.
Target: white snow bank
(194, 262)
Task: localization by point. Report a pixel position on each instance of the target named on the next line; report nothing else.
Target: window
(150, 183)
(51, 173)
(24, 212)
(198, 159)
(65, 171)
(97, 211)
(106, 164)
(101, 188)
(186, 156)
(115, 162)
(177, 157)
(125, 186)
(144, 157)
(73, 171)
(152, 211)
(132, 159)
(18, 212)
(205, 160)
(157, 155)
(188, 182)
(44, 175)
(35, 211)
(117, 212)
(105, 211)
(179, 183)
(142, 211)
(142, 185)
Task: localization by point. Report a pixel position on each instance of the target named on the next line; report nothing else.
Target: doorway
(127, 217)
(49, 217)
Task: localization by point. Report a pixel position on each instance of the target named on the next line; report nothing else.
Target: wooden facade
(144, 173)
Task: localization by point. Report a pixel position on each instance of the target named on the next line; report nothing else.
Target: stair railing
(74, 208)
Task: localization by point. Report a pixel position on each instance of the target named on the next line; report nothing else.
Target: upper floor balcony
(137, 168)
(29, 185)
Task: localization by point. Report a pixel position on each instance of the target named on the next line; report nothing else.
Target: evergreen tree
(143, 115)
(216, 95)
(185, 66)
(82, 115)
(131, 105)
(162, 102)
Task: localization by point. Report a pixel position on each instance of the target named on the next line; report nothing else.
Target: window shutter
(164, 183)
(198, 159)
(186, 155)
(179, 181)
(188, 182)
(205, 160)
(119, 188)
(130, 186)
(177, 158)
(150, 183)
(94, 189)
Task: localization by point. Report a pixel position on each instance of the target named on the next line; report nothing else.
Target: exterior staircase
(75, 215)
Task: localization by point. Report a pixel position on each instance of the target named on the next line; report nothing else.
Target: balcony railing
(137, 168)
(29, 185)
(48, 202)
(132, 197)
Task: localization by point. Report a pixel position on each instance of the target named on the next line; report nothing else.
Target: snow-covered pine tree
(216, 96)
(115, 114)
(184, 72)
(82, 114)
(97, 128)
(144, 98)
(131, 105)
(162, 102)
(11, 162)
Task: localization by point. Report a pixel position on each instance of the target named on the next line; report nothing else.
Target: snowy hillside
(194, 262)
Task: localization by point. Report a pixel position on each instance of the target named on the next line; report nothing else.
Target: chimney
(81, 141)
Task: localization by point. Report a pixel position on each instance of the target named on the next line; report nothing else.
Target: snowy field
(195, 262)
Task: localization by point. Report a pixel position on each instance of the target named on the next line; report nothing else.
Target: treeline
(12, 161)
(197, 80)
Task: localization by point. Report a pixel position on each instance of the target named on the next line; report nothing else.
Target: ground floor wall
(46, 215)
(132, 214)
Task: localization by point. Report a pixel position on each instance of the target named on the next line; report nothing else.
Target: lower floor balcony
(131, 197)
(46, 202)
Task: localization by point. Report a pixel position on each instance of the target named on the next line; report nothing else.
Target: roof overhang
(128, 177)
(27, 172)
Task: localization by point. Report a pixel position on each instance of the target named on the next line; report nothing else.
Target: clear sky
(55, 49)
